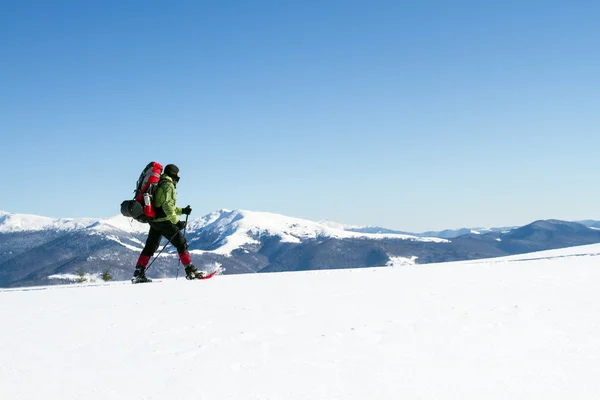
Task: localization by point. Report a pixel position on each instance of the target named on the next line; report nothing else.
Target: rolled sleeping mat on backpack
(132, 209)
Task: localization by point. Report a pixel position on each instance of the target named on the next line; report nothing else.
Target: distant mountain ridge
(33, 248)
(444, 234)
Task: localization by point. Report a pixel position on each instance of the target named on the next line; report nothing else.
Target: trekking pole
(164, 247)
(184, 230)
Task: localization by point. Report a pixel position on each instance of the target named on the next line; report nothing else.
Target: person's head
(172, 171)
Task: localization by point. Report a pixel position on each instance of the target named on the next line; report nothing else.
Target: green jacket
(165, 197)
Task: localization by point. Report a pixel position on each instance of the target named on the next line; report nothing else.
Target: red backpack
(140, 208)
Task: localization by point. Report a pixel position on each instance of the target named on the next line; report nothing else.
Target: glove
(180, 225)
(187, 210)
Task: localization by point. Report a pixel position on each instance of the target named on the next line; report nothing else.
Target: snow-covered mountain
(11, 223)
(32, 223)
(32, 248)
(443, 234)
(235, 227)
(454, 233)
(520, 328)
(233, 230)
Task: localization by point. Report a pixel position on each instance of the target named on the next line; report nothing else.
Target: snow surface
(519, 327)
(128, 246)
(337, 225)
(400, 261)
(91, 278)
(121, 223)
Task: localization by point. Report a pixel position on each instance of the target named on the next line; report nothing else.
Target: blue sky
(412, 115)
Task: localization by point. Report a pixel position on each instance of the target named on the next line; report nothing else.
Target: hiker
(167, 224)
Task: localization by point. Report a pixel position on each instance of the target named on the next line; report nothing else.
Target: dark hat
(172, 171)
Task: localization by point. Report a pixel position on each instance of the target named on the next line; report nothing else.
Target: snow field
(503, 329)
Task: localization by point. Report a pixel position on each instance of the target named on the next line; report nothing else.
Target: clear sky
(412, 115)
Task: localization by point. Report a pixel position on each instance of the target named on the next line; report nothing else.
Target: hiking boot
(192, 272)
(139, 275)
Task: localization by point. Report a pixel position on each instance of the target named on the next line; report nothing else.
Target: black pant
(168, 230)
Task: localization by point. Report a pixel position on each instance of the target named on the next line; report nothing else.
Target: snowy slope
(10, 223)
(590, 250)
(337, 225)
(504, 329)
(120, 223)
(25, 222)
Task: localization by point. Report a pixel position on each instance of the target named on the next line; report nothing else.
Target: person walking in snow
(166, 224)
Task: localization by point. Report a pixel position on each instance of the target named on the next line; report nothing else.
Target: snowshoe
(139, 275)
(141, 280)
(192, 272)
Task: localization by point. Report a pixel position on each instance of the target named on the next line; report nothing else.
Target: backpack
(140, 208)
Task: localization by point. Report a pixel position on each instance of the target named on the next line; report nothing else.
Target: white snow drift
(523, 327)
